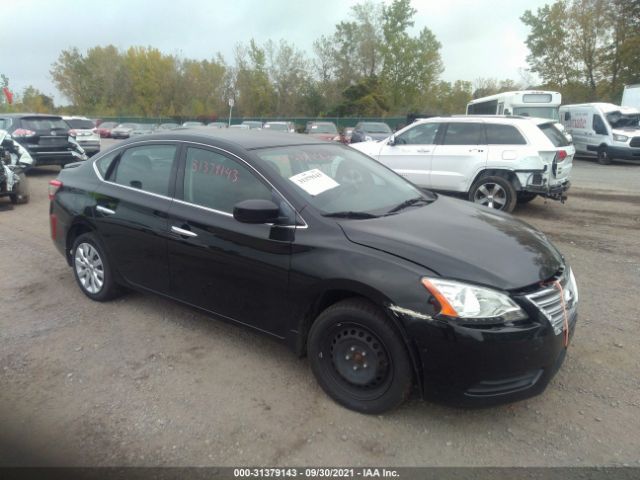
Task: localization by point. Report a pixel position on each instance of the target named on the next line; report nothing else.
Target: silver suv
(496, 161)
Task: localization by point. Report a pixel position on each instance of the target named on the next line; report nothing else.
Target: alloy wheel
(89, 268)
(491, 195)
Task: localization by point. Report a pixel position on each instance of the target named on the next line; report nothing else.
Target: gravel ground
(145, 381)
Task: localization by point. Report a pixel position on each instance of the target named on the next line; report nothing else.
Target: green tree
(412, 65)
(33, 100)
(254, 93)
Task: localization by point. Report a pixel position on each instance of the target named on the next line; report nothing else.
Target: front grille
(635, 142)
(549, 302)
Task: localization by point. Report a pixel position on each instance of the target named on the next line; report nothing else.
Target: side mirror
(392, 140)
(256, 211)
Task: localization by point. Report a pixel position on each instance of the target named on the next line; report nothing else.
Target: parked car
(217, 125)
(143, 129)
(104, 129)
(193, 124)
(123, 130)
(604, 130)
(14, 160)
(45, 137)
(496, 161)
(368, 131)
(323, 131)
(346, 134)
(85, 133)
(253, 124)
(383, 286)
(280, 126)
(164, 127)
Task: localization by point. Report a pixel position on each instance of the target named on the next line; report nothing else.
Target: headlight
(367, 138)
(473, 303)
(620, 138)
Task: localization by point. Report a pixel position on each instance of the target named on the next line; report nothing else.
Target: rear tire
(495, 192)
(358, 357)
(603, 156)
(92, 270)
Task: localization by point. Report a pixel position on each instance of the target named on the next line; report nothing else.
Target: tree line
(370, 65)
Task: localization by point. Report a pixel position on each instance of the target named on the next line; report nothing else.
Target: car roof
(19, 115)
(239, 138)
(484, 118)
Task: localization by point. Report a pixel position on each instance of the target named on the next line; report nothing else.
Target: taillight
(22, 132)
(54, 186)
(73, 133)
(561, 155)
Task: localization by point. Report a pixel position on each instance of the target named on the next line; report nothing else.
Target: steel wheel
(491, 195)
(89, 268)
(358, 357)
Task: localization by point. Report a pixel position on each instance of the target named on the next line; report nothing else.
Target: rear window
(503, 135)
(556, 136)
(44, 124)
(323, 128)
(79, 123)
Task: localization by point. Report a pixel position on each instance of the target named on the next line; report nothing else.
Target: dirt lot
(144, 381)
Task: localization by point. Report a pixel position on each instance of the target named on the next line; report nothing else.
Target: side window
(464, 134)
(422, 134)
(567, 116)
(503, 135)
(105, 162)
(146, 168)
(598, 125)
(216, 181)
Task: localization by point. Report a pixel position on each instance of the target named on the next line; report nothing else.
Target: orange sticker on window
(210, 168)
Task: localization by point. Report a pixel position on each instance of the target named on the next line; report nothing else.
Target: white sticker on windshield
(314, 181)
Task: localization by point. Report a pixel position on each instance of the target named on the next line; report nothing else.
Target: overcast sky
(480, 38)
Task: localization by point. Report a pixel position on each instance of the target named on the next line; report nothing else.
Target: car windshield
(323, 128)
(277, 126)
(540, 112)
(340, 181)
(376, 128)
(623, 120)
(80, 123)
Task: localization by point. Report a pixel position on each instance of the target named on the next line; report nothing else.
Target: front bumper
(624, 153)
(476, 367)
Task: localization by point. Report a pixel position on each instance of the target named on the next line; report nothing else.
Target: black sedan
(385, 287)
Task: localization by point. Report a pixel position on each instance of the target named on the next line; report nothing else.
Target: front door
(233, 269)
(410, 155)
(462, 152)
(131, 213)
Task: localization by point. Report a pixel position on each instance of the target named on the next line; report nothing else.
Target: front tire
(358, 357)
(495, 192)
(91, 269)
(603, 156)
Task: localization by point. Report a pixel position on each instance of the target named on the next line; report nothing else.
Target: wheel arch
(510, 175)
(77, 228)
(343, 290)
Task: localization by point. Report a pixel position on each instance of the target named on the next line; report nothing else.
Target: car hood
(371, 148)
(463, 241)
(627, 131)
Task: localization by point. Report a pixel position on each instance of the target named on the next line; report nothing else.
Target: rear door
(460, 154)
(233, 269)
(410, 155)
(131, 213)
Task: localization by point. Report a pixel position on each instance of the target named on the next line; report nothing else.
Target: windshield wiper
(348, 214)
(408, 203)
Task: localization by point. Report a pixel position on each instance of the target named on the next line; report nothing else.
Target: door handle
(105, 210)
(476, 150)
(183, 232)
(423, 150)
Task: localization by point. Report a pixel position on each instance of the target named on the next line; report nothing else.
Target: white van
(603, 129)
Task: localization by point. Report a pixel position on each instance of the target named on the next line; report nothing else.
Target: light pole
(231, 102)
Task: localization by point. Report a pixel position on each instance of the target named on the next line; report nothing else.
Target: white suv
(495, 161)
(85, 133)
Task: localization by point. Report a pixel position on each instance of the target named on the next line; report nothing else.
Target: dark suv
(46, 137)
